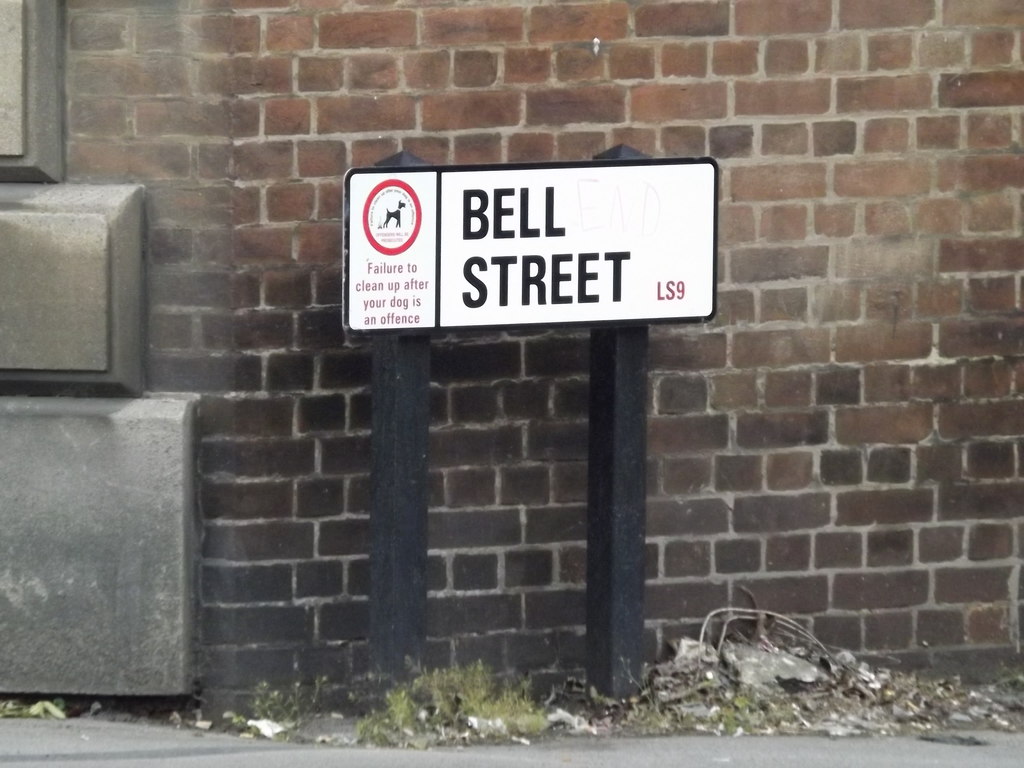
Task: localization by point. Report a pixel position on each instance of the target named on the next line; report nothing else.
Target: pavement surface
(85, 743)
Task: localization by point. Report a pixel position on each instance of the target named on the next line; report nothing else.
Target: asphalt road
(89, 744)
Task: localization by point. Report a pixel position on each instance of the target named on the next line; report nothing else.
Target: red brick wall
(843, 440)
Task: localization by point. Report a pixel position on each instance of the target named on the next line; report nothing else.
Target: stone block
(97, 555)
(71, 288)
(12, 85)
(31, 91)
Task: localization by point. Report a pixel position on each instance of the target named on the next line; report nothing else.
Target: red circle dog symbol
(391, 217)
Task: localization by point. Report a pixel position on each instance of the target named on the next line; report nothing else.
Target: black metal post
(398, 521)
(616, 502)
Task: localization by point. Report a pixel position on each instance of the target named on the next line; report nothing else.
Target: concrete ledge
(71, 293)
(98, 547)
(31, 110)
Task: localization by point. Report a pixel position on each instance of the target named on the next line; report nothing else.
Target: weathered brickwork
(844, 440)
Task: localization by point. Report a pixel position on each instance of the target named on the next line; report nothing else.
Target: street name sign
(441, 248)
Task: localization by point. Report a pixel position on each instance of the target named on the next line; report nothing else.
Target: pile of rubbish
(757, 672)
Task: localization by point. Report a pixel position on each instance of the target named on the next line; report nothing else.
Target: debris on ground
(757, 672)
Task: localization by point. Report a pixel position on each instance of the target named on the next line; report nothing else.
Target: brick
(142, 160)
(367, 29)
(780, 348)
(372, 71)
(631, 62)
(889, 465)
(990, 542)
(760, 265)
(789, 471)
(987, 378)
(687, 434)
(737, 556)
(467, 614)
(467, 26)
(774, 430)
(888, 631)
(771, 17)
(940, 628)
(874, 591)
(875, 14)
(461, 447)
(980, 255)
(472, 487)
(783, 97)
(470, 110)
(972, 585)
(834, 138)
(908, 423)
(243, 75)
(973, 502)
(582, 104)
(283, 540)
(890, 52)
(472, 572)
(838, 53)
(679, 351)
(738, 473)
(988, 624)
(991, 172)
(265, 417)
(532, 568)
(778, 182)
(882, 179)
(349, 114)
(242, 584)
(684, 59)
(886, 135)
(940, 544)
(250, 500)
(787, 389)
(773, 513)
(263, 624)
(664, 102)
(684, 600)
(983, 13)
(344, 621)
(563, 608)
(289, 33)
(682, 394)
(731, 140)
(788, 553)
(895, 506)
(884, 93)
(890, 548)
(838, 550)
(687, 558)
(785, 57)
(686, 518)
(784, 139)
(784, 222)
(865, 343)
(734, 57)
(566, 23)
(981, 89)
(689, 19)
(959, 420)
(938, 132)
(475, 69)
(789, 594)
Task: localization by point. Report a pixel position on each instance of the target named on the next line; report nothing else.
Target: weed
(451, 705)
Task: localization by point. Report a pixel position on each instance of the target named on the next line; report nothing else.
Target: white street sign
(443, 248)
